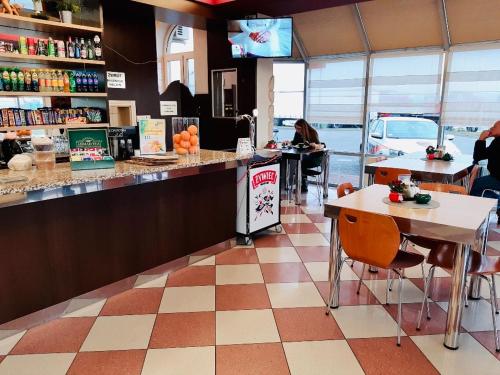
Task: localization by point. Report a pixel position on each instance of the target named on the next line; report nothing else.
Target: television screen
(261, 37)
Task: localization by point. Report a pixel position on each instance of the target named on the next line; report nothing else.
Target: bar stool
(356, 230)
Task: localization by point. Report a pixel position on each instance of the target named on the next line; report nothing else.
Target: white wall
(265, 99)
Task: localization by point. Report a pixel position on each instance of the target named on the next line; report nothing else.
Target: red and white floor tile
(258, 309)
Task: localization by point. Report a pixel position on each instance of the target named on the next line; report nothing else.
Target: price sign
(116, 80)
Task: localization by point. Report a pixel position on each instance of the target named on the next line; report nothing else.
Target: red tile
(183, 330)
(313, 253)
(300, 228)
(306, 324)
(318, 218)
(493, 236)
(59, 336)
(284, 272)
(348, 295)
(381, 274)
(1, 358)
(261, 359)
(382, 356)
(434, 326)
(237, 256)
(126, 362)
(440, 288)
(192, 276)
(491, 251)
(134, 302)
(241, 297)
(272, 240)
(291, 210)
(487, 339)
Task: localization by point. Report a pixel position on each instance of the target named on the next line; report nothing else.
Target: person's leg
(486, 183)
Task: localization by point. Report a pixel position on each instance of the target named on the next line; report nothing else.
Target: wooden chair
(384, 175)
(444, 188)
(357, 230)
(344, 189)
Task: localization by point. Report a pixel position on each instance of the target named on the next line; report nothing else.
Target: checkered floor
(257, 310)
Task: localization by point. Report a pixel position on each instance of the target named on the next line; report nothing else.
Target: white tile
(188, 299)
(319, 271)
(238, 274)
(150, 281)
(485, 289)
(470, 358)
(321, 357)
(313, 210)
(37, 364)
(476, 317)
(323, 227)
(119, 333)
(81, 307)
(294, 219)
(8, 339)
(273, 231)
(365, 321)
(277, 255)
(177, 361)
(201, 260)
(284, 295)
(287, 203)
(245, 327)
(416, 272)
(309, 239)
(494, 244)
(411, 293)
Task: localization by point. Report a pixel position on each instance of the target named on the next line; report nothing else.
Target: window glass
(174, 71)
(288, 91)
(191, 76)
(181, 40)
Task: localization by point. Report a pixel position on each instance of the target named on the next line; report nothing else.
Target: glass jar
(186, 135)
(44, 155)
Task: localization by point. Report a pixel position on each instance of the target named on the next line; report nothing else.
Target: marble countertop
(63, 176)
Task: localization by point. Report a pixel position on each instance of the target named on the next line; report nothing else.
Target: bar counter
(64, 233)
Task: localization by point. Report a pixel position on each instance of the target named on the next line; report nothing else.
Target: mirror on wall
(225, 93)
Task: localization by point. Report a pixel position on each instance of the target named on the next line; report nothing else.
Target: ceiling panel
(473, 21)
(329, 31)
(395, 24)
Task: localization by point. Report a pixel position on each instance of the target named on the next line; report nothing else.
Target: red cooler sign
(264, 177)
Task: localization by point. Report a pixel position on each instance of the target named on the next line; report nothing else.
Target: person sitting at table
(305, 133)
(492, 153)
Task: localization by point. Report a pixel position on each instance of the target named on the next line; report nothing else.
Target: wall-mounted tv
(261, 37)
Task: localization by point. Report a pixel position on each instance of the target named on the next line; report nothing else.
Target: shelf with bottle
(57, 126)
(36, 24)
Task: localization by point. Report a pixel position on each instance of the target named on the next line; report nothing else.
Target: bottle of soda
(72, 81)
(90, 50)
(78, 79)
(70, 46)
(85, 82)
(28, 80)
(7, 84)
(95, 79)
(83, 49)
(60, 81)
(55, 81)
(35, 80)
(20, 79)
(51, 48)
(66, 81)
(48, 80)
(13, 80)
(97, 47)
(78, 49)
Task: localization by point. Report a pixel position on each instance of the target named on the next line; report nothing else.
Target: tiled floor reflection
(257, 310)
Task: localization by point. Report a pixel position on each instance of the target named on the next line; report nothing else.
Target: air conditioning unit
(181, 33)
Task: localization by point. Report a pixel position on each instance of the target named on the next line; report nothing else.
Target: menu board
(152, 136)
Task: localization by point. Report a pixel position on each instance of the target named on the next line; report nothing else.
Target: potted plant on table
(396, 194)
(66, 9)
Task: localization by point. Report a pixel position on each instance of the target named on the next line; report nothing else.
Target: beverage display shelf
(52, 93)
(35, 59)
(37, 127)
(35, 24)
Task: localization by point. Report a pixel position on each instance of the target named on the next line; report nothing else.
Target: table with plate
(444, 221)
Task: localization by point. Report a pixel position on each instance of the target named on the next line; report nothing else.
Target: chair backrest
(384, 176)
(344, 189)
(370, 238)
(445, 188)
(474, 173)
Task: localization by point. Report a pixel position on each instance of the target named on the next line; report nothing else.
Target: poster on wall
(168, 108)
(152, 137)
(264, 195)
(116, 80)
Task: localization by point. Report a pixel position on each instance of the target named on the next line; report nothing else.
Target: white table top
(459, 217)
(439, 167)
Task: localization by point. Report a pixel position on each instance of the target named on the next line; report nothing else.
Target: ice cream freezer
(258, 195)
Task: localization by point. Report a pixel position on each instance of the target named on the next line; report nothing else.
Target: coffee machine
(122, 142)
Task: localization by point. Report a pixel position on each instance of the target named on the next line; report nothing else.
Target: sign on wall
(116, 80)
(168, 108)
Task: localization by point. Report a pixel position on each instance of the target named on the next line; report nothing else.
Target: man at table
(492, 153)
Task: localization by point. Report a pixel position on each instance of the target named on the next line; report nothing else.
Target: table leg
(455, 305)
(298, 190)
(475, 281)
(371, 179)
(326, 174)
(335, 260)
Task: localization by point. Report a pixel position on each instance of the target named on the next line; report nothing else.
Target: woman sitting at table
(305, 133)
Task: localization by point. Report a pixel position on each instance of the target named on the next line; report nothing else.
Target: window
(179, 58)
(24, 102)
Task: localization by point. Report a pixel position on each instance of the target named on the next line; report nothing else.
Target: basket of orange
(185, 135)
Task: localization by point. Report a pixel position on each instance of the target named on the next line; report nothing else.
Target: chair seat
(405, 259)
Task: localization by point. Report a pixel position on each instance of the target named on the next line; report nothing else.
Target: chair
(384, 176)
(444, 188)
(357, 229)
(344, 189)
(316, 172)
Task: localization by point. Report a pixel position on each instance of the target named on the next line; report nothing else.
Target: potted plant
(66, 9)
(396, 194)
(430, 151)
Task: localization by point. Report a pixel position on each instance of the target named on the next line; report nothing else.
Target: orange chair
(344, 189)
(384, 175)
(444, 188)
(357, 229)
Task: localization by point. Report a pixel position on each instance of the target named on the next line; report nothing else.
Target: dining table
(461, 219)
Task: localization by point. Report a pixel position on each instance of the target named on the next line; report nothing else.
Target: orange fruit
(194, 140)
(193, 149)
(193, 129)
(177, 138)
(185, 144)
(181, 151)
(185, 135)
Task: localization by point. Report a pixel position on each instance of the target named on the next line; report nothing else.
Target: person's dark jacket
(298, 138)
(492, 153)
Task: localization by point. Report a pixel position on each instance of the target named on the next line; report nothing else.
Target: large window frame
(185, 60)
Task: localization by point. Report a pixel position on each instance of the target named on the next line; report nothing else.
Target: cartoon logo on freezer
(264, 202)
